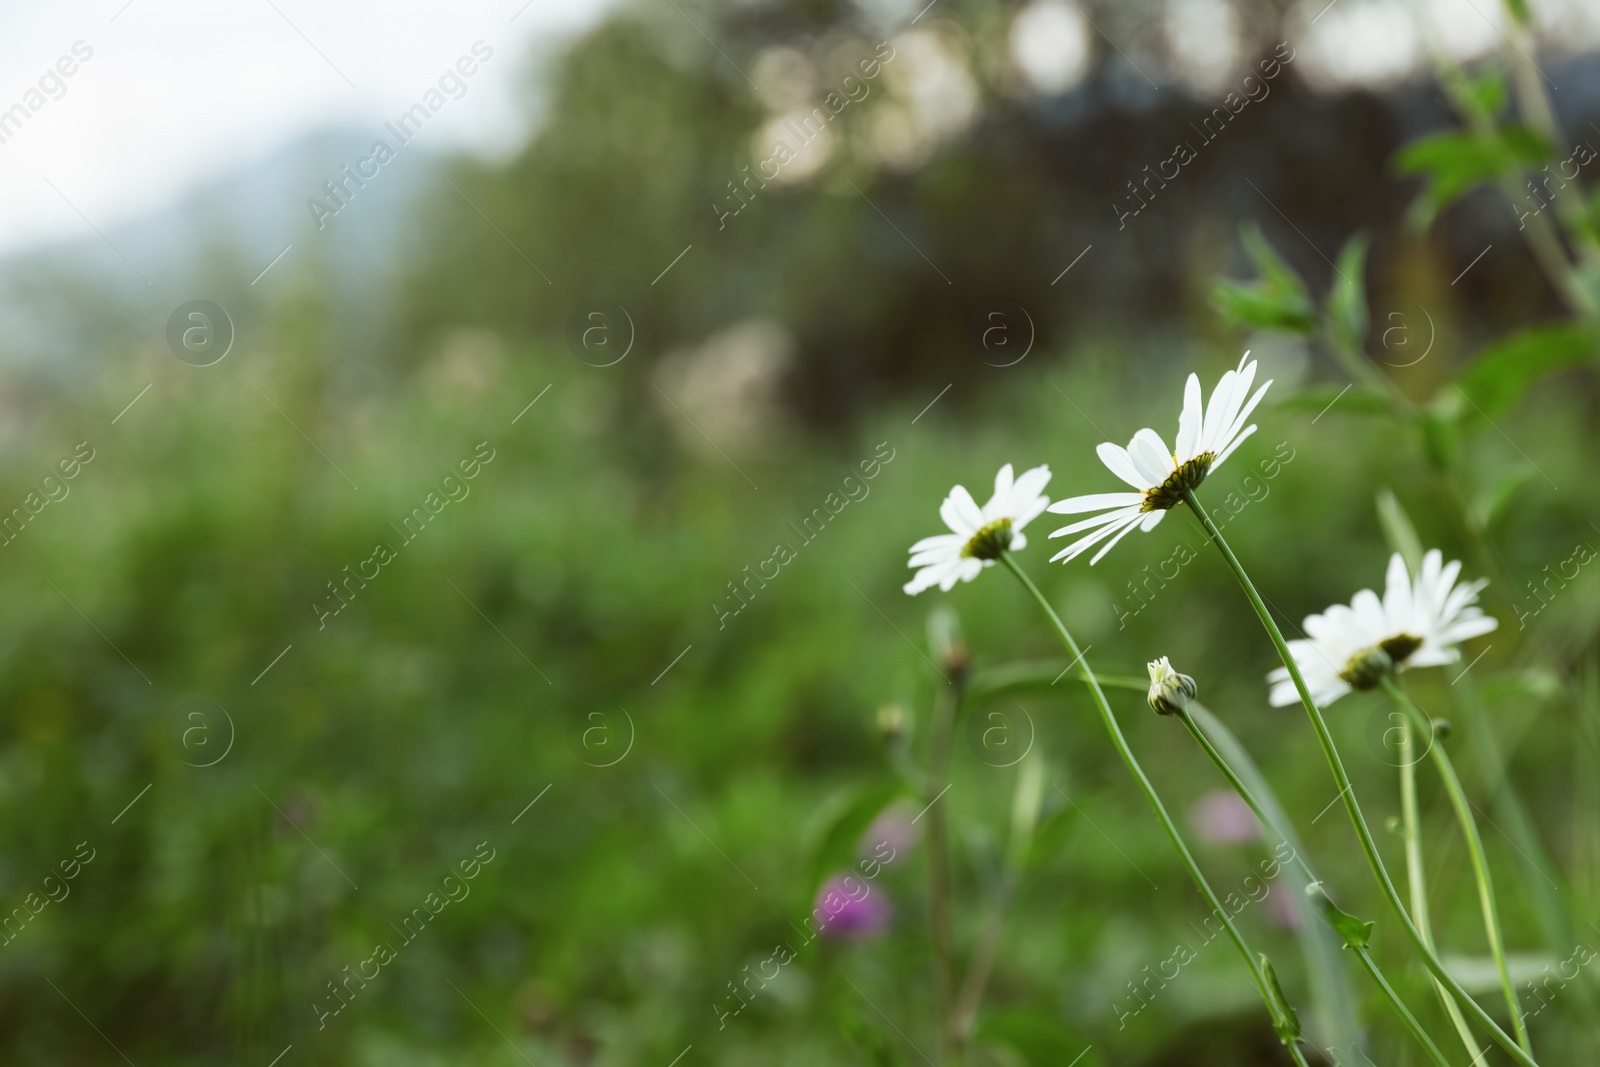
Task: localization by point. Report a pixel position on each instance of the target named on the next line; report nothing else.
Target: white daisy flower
(978, 535)
(1419, 623)
(1205, 438)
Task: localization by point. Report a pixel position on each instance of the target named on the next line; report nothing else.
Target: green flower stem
(1480, 863)
(1025, 801)
(944, 717)
(1121, 744)
(1541, 236)
(1365, 956)
(1416, 878)
(1347, 794)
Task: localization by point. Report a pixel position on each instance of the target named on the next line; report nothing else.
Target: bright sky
(176, 92)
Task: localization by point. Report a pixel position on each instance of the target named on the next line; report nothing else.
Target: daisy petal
(938, 541)
(1001, 500)
(1027, 496)
(1118, 462)
(1125, 531)
(1191, 421)
(1115, 515)
(926, 578)
(1082, 545)
(1215, 419)
(1244, 413)
(1237, 441)
(961, 513)
(1397, 604)
(1149, 454)
(1094, 502)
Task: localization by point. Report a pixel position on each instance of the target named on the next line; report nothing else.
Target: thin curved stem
(939, 873)
(1024, 819)
(1347, 793)
(1543, 241)
(1132, 762)
(1365, 956)
(1480, 863)
(1416, 878)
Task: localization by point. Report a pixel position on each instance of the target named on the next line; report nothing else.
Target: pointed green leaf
(1277, 299)
(1488, 503)
(1356, 933)
(1501, 375)
(1288, 1025)
(1489, 93)
(1441, 432)
(1398, 530)
(1456, 161)
(1347, 302)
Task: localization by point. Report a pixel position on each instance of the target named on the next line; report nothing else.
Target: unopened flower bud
(1170, 692)
(891, 722)
(949, 648)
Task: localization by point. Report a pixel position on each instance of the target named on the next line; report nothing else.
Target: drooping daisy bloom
(1205, 438)
(1420, 622)
(978, 535)
(1170, 692)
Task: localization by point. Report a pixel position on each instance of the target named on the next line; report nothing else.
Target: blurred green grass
(413, 727)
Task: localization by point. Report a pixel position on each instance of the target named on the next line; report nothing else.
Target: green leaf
(1588, 227)
(1054, 831)
(867, 1035)
(1489, 93)
(1481, 974)
(1356, 933)
(1398, 530)
(1488, 503)
(1347, 302)
(1333, 997)
(1276, 300)
(1441, 433)
(1352, 400)
(1497, 380)
(1455, 161)
(843, 824)
(1537, 684)
(1288, 1024)
(1040, 1040)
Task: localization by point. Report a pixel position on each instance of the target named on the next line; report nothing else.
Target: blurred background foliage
(583, 584)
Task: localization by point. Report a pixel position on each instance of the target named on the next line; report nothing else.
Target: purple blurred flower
(1222, 818)
(849, 907)
(892, 834)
